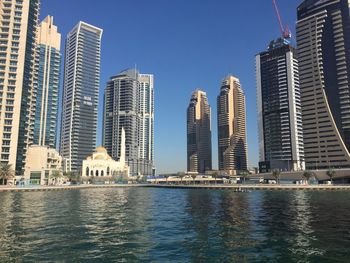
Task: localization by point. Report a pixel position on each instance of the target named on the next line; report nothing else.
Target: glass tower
(129, 104)
(279, 108)
(80, 95)
(323, 38)
(47, 84)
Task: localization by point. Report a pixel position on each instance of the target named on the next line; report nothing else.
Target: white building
(41, 162)
(101, 164)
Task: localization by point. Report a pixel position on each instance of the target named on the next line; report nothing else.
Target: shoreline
(207, 187)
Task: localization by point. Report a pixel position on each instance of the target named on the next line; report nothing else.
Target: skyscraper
(47, 84)
(146, 117)
(199, 158)
(232, 136)
(279, 108)
(80, 94)
(18, 23)
(323, 38)
(129, 104)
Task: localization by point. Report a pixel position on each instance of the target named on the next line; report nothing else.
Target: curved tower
(323, 38)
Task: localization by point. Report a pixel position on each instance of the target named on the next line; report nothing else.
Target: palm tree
(166, 178)
(6, 172)
(193, 177)
(56, 174)
(276, 174)
(244, 175)
(215, 174)
(331, 173)
(307, 175)
(181, 175)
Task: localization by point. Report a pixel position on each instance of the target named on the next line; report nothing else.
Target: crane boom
(284, 30)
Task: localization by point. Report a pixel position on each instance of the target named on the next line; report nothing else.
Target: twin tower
(232, 139)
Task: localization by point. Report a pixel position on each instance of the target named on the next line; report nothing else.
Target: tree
(73, 177)
(244, 175)
(166, 178)
(215, 174)
(276, 175)
(6, 172)
(55, 175)
(331, 173)
(181, 175)
(307, 175)
(193, 177)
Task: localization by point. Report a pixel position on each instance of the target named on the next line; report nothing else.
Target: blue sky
(186, 44)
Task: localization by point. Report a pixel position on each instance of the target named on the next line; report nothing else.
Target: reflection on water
(158, 225)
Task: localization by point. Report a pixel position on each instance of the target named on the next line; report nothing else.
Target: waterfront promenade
(234, 187)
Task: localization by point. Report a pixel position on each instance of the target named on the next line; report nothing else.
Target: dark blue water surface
(174, 225)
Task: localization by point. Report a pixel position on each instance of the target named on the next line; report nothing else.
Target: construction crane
(284, 30)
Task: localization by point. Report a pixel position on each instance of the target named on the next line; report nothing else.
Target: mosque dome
(101, 149)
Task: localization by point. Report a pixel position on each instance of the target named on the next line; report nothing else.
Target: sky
(186, 44)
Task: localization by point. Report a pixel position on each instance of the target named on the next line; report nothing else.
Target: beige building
(199, 158)
(18, 25)
(101, 164)
(232, 138)
(41, 162)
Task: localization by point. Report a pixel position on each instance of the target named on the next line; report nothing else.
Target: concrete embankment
(219, 186)
(261, 187)
(62, 188)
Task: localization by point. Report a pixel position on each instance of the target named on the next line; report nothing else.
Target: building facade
(80, 95)
(232, 138)
(279, 108)
(41, 163)
(199, 154)
(100, 164)
(129, 104)
(323, 38)
(47, 84)
(146, 118)
(18, 23)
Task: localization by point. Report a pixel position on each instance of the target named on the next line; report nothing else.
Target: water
(174, 225)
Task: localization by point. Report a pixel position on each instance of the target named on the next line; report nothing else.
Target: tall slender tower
(129, 104)
(146, 118)
(18, 23)
(232, 136)
(199, 157)
(80, 94)
(279, 108)
(323, 38)
(47, 84)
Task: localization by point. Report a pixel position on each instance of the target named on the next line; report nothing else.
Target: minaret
(122, 147)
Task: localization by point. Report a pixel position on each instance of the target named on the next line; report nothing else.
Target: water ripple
(167, 225)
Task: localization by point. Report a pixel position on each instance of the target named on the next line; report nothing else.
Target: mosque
(100, 164)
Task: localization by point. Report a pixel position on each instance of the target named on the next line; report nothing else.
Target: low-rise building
(41, 163)
(101, 164)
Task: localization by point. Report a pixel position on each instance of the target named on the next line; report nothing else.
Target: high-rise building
(18, 24)
(323, 38)
(80, 95)
(199, 157)
(129, 104)
(47, 84)
(232, 138)
(146, 117)
(279, 108)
